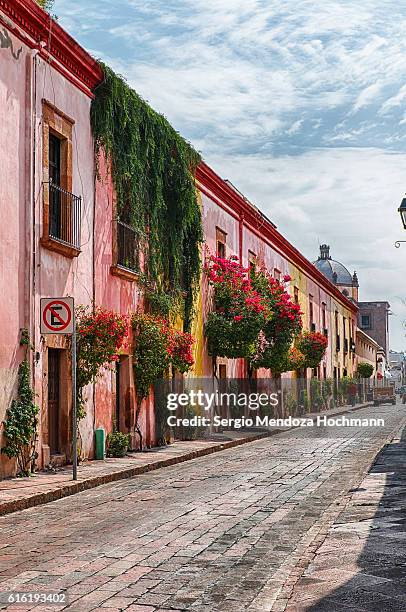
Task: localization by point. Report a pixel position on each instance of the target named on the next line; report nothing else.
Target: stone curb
(74, 487)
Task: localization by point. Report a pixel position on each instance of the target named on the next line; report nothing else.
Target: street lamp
(402, 211)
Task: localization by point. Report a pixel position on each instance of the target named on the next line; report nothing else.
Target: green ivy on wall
(153, 171)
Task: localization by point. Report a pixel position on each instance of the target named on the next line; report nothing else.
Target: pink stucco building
(47, 204)
(60, 236)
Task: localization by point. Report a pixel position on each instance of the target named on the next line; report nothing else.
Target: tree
(365, 370)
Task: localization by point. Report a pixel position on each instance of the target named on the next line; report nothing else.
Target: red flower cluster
(178, 344)
(104, 325)
(278, 296)
(313, 345)
(180, 349)
(101, 334)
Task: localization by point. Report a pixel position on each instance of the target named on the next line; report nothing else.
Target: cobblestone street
(231, 531)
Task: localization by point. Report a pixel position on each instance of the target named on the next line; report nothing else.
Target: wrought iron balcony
(64, 215)
(128, 246)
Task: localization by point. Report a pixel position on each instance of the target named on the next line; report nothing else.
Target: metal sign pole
(74, 399)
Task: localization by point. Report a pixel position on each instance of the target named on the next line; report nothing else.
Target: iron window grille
(128, 246)
(64, 215)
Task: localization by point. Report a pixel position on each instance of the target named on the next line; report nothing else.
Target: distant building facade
(367, 350)
(373, 319)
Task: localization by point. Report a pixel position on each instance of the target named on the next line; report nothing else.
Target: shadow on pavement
(375, 519)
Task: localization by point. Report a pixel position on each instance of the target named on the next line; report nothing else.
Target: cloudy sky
(301, 104)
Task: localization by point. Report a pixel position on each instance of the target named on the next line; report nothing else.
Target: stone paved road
(224, 532)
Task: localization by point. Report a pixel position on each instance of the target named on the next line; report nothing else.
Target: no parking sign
(57, 315)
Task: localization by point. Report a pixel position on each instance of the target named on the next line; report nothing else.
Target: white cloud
(394, 101)
(367, 96)
(295, 127)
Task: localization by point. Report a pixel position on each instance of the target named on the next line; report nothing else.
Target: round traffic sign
(57, 316)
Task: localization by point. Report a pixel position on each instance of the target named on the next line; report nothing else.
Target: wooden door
(53, 401)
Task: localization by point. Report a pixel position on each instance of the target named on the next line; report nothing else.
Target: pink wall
(15, 211)
(123, 296)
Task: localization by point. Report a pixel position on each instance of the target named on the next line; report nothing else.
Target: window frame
(57, 124)
(369, 325)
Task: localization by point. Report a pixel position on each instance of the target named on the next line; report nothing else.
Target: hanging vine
(153, 174)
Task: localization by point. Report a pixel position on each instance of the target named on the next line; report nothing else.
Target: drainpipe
(94, 268)
(30, 197)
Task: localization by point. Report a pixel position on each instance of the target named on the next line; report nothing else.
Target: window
(61, 208)
(337, 330)
(55, 181)
(221, 239)
(323, 316)
(277, 274)
(366, 321)
(127, 251)
(128, 247)
(311, 314)
(296, 295)
(252, 260)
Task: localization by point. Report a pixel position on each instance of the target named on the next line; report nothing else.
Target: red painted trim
(225, 196)
(219, 203)
(66, 55)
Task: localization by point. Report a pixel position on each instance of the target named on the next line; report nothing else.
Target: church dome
(333, 270)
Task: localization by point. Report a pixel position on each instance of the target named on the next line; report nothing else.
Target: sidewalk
(361, 565)
(20, 493)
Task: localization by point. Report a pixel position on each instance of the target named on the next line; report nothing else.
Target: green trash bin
(100, 443)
